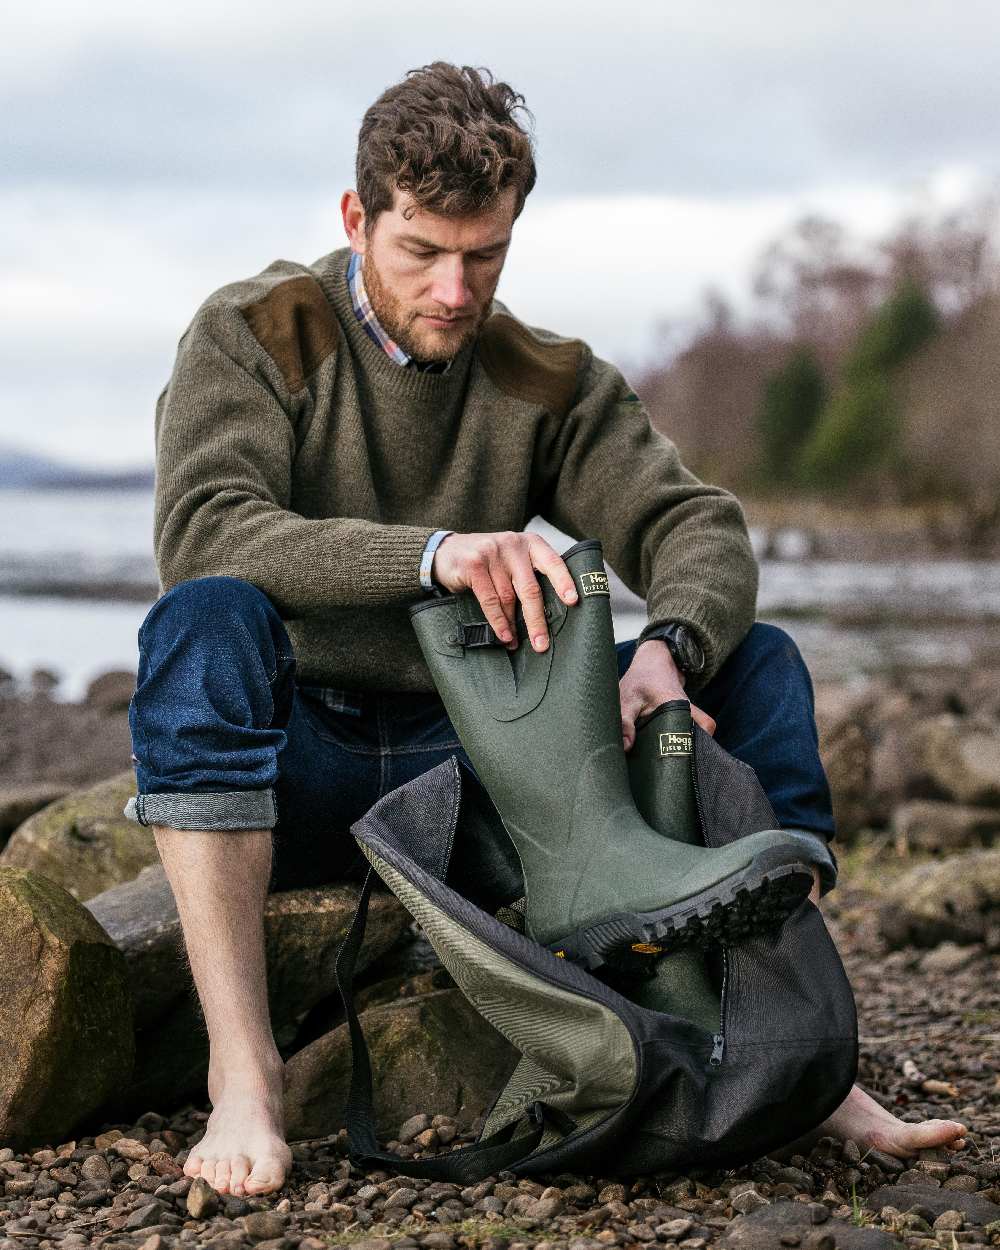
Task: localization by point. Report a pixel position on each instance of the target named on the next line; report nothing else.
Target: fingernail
(571, 596)
(505, 635)
(541, 641)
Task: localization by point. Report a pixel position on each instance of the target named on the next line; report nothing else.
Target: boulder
(65, 1011)
(111, 692)
(846, 748)
(18, 802)
(933, 825)
(974, 1207)
(963, 757)
(303, 932)
(83, 841)
(779, 1223)
(955, 899)
(433, 1053)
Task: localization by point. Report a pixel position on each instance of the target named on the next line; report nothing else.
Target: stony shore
(915, 767)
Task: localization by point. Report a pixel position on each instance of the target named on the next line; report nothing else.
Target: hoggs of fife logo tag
(594, 584)
(675, 744)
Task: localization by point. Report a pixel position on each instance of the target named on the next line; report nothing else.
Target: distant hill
(24, 469)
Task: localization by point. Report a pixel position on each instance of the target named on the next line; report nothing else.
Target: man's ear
(354, 220)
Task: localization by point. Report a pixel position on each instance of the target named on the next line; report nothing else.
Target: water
(849, 618)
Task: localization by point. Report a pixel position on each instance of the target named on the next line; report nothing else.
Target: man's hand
(653, 678)
(500, 569)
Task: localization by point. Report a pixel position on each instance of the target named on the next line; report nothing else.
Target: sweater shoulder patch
(296, 326)
(527, 367)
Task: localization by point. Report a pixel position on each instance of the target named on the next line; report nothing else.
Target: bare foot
(244, 1149)
(860, 1117)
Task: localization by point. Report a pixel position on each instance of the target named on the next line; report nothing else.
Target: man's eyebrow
(436, 247)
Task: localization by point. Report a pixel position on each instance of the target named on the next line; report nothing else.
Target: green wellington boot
(661, 778)
(543, 732)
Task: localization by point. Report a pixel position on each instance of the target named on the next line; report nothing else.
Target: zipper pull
(718, 1045)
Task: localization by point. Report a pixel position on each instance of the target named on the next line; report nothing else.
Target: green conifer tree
(793, 398)
(858, 432)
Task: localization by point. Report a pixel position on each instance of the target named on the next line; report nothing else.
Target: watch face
(687, 653)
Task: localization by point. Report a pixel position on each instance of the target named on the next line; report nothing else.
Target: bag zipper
(718, 1039)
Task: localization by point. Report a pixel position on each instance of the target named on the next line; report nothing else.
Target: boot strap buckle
(478, 634)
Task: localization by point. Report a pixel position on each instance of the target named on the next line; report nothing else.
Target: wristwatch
(684, 647)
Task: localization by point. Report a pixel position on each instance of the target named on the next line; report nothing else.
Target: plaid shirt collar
(366, 315)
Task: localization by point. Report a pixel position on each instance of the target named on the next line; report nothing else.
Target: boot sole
(752, 902)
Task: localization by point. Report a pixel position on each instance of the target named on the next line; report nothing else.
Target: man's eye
(423, 255)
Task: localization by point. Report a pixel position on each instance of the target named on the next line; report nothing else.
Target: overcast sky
(152, 153)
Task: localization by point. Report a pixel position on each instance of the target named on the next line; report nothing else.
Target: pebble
(144, 1216)
(264, 1225)
(202, 1200)
(96, 1168)
(673, 1230)
(410, 1128)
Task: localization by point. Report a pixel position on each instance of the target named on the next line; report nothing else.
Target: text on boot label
(675, 744)
(594, 584)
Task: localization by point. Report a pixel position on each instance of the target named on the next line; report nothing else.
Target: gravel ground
(930, 1027)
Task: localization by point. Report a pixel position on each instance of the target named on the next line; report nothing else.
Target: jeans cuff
(232, 809)
(822, 856)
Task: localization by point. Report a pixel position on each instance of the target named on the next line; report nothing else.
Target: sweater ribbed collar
(382, 371)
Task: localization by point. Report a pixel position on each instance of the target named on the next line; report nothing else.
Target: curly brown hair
(448, 137)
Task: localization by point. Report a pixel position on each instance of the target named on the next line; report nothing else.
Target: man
(337, 440)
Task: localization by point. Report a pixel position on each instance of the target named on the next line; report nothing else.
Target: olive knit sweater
(291, 451)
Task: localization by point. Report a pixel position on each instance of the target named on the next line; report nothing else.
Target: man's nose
(450, 287)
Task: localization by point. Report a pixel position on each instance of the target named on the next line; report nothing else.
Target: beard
(404, 326)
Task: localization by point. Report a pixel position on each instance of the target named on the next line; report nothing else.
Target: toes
(208, 1167)
(239, 1169)
(193, 1164)
(267, 1175)
(221, 1181)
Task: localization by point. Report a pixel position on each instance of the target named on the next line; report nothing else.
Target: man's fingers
(703, 719)
(530, 594)
(507, 596)
(548, 561)
(489, 600)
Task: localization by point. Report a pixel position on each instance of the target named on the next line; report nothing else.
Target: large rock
(65, 1011)
(18, 802)
(432, 1053)
(765, 1228)
(974, 1207)
(83, 841)
(963, 757)
(932, 825)
(111, 692)
(842, 718)
(303, 931)
(956, 899)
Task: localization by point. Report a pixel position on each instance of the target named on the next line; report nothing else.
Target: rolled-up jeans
(226, 737)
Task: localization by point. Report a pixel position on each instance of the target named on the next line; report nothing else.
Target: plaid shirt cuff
(427, 559)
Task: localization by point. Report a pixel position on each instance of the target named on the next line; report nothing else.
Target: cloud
(723, 99)
(155, 152)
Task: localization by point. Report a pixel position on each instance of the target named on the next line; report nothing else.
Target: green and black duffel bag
(603, 1084)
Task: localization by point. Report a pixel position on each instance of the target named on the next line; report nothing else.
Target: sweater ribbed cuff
(684, 614)
(392, 565)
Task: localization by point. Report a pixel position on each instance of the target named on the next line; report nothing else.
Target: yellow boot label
(675, 744)
(594, 584)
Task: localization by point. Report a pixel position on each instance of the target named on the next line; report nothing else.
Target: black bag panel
(760, 1099)
(731, 801)
(789, 987)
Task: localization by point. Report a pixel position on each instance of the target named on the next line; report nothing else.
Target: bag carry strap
(468, 1164)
